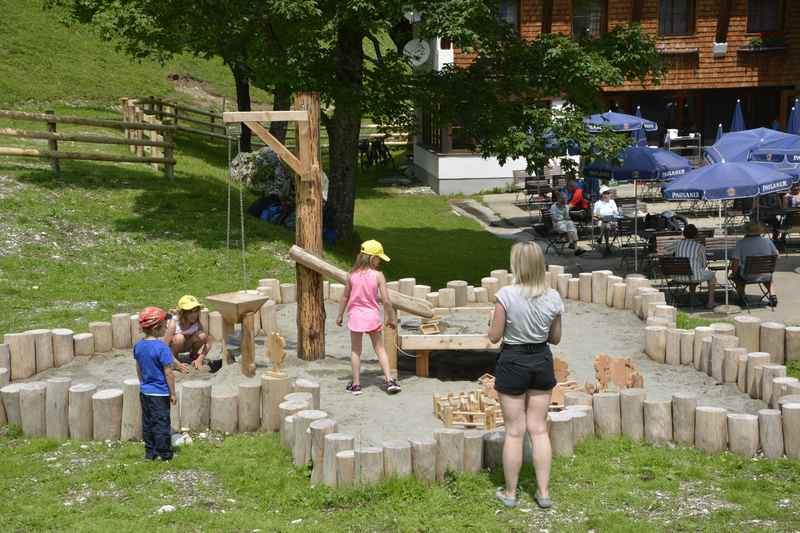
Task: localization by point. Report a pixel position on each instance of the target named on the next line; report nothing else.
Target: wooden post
(770, 432)
(493, 449)
(396, 459)
(656, 343)
(607, 417)
(249, 406)
(630, 403)
(711, 429)
(791, 429)
(755, 360)
(730, 364)
(319, 429)
(748, 330)
(169, 152)
(422, 362)
(390, 345)
(131, 411)
(63, 347)
(345, 468)
(562, 439)
(585, 287)
(334, 443)
(473, 451)
(449, 451)
(743, 434)
(769, 372)
(423, 459)
(687, 347)
(772, 341)
(700, 333)
(308, 234)
(792, 349)
(718, 345)
(577, 398)
(52, 145)
(23, 354)
(369, 465)
(196, 405)
(582, 422)
(107, 414)
(673, 346)
(57, 401)
(79, 411)
(32, 409)
(224, 410)
(683, 413)
(43, 346)
(301, 448)
(273, 389)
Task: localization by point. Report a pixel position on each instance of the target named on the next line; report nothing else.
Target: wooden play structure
(469, 410)
(239, 307)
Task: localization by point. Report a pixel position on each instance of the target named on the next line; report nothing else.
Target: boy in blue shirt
(157, 383)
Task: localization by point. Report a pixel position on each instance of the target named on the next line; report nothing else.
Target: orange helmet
(150, 316)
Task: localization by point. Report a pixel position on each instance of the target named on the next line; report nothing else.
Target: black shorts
(522, 367)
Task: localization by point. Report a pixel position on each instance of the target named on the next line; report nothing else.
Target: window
(676, 17)
(509, 13)
(588, 18)
(764, 16)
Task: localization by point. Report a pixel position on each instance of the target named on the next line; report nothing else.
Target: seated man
(696, 254)
(752, 245)
(577, 199)
(559, 212)
(606, 213)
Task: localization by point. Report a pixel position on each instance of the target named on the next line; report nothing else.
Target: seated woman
(752, 245)
(559, 213)
(606, 213)
(185, 334)
(696, 254)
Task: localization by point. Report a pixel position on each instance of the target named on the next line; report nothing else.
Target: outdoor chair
(791, 225)
(756, 265)
(677, 273)
(555, 241)
(519, 177)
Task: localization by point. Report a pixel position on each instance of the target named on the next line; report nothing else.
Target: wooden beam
(446, 342)
(78, 137)
(723, 21)
(636, 12)
(547, 16)
(265, 116)
(81, 156)
(100, 123)
(284, 153)
(409, 304)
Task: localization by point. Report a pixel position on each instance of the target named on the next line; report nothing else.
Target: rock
(166, 509)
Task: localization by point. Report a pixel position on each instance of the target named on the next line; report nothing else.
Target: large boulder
(263, 173)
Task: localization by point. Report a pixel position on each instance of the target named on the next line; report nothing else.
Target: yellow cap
(188, 302)
(374, 248)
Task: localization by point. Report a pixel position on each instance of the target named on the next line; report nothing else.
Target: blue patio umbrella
(736, 146)
(727, 181)
(793, 126)
(639, 135)
(618, 122)
(720, 133)
(784, 152)
(776, 125)
(737, 122)
(640, 163)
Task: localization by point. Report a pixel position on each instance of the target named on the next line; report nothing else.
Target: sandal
(543, 502)
(500, 494)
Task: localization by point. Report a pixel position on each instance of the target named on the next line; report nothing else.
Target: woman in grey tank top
(527, 316)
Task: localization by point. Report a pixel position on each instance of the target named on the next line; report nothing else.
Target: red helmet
(150, 316)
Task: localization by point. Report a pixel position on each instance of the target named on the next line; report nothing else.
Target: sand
(375, 416)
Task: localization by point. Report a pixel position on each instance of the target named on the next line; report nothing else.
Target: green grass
(43, 61)
(687, 321)
(245, 482)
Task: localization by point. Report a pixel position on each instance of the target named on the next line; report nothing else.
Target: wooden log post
(288, 293)
(618, 298)
(741, 373)
(769, 372)
(673, 346)
(80, 412)
(554, 271)
(423, 459)
(683, 417)
(43, 347)
(311, 387)
(772, 340)
(83, 344)
(247, 361)
(459, 288)
(433, 298)
(700, 333)
(5, 378)
(791, 429)
(345, 469)
(56, 407)
(743, 434)
(631, 402)
(131, 427)
(562, 439)
(612, 280)
(711, 429)
(224, 410)
(63, 347)
(421, 291)
(492, 285)
(563, 285)
(607, 418)
(273, 389)
(655, 342)
(5, 359)
(447, 298)
(390, 342)
(633, 286)
(32, 406)
(574, 288)
(792, 349)
(687, 347)
(493, 449)
(301, 449)
(577, 398)
(369, 465)
(473, 450)
(3, 416)
(107, 414)
(121, 331)
(481, 295)
(10, 398)
(585, 281)
(789, 398)
(319, 429)
(501, 275)
(308, 231)
(406, 286)
(397, 459)
(649, 301)
(718, 345)
(249, 406)
(658, 421)
(334, 443)
(600, 285)
(782, 386)
(748, 329)
(705, 355)
(770, 433)
(175, 410)
(640, 298)
(196, 405)
(755, 360)
(449, 451)
(300, 396)
(22, 347)
(102, 333)
(287, 409)
(730, 364)
(582, 422)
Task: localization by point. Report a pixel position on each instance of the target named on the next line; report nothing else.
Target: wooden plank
(423, 359)
(81, 156)
(211, 125)
(284, 153)
(265, 116)
(78, 137)
(202, 132)
(100, 123)
(446, 342)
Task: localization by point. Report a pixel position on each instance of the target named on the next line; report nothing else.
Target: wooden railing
(151, 143)
(208, 122)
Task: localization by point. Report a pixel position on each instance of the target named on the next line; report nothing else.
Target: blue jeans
(156, 430)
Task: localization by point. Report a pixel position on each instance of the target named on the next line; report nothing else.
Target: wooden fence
(209, 122)
(151, 143)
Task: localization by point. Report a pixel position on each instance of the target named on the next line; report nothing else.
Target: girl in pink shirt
(360, 298)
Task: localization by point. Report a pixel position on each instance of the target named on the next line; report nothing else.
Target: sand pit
(375, 416)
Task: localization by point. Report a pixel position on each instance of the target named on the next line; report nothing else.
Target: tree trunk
(281, 101)
(344, 128)
(242, 102)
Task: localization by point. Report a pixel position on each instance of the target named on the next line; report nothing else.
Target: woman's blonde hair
(364, 261)
(527, 264)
